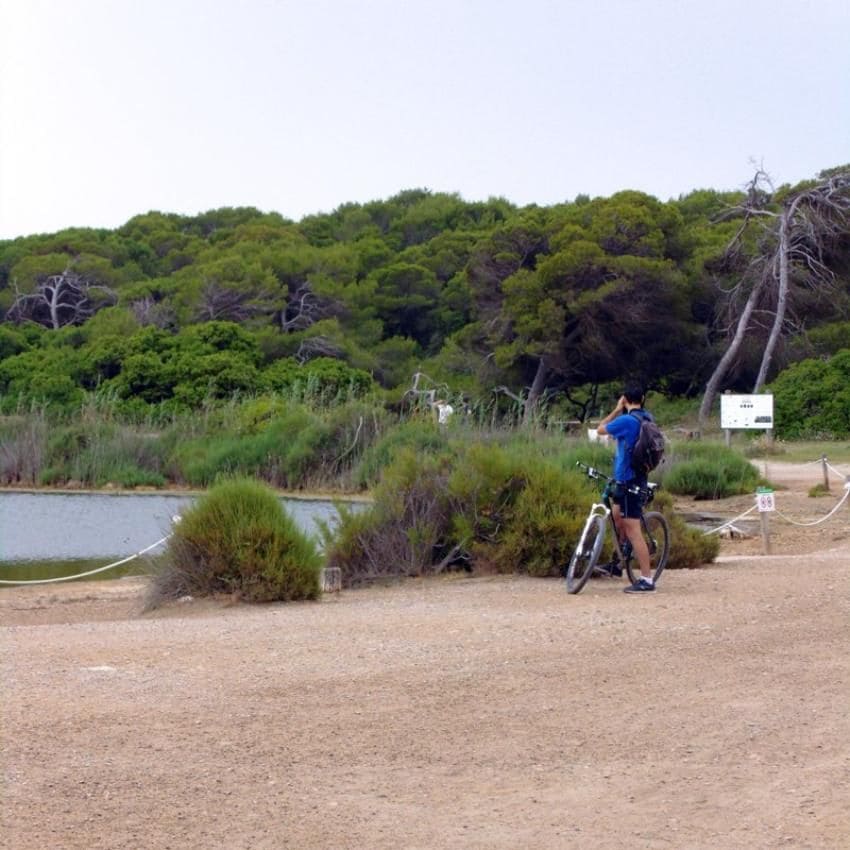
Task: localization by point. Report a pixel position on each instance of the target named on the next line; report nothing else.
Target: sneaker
(640, 586)
(612, 569)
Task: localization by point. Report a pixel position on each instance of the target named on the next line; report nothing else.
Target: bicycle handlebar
(595, 473)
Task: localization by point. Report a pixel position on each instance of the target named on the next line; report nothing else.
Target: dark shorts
(631, 504)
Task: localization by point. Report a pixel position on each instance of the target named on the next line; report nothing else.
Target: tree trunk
(53, 302)
(537, 387)
(781, 300)
(728, 356)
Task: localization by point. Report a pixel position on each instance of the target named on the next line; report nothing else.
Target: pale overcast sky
(110, 108)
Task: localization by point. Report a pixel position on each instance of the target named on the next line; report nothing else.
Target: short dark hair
(634, 393)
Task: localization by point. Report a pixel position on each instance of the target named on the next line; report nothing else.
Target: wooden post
(765, 502)
(728, 437)
(765, 532)
(825, 472)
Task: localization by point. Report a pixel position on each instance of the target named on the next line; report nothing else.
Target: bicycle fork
(598, 509)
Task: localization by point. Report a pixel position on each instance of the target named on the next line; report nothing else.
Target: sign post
(766, 504)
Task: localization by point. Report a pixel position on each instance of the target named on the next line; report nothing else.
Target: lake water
(68, 526)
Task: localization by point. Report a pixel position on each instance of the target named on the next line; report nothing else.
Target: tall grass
(23, 448)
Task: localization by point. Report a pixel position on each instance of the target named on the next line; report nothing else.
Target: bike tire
(585, 556)
(656, 532)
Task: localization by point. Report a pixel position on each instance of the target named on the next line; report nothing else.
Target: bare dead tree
(424, 391)
(148, 311)
(305, 307)
(792, 244)
(302, 310)
(60, 300)
(222, 303)
(317, 346)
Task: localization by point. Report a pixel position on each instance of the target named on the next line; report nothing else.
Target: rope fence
(730, 522)
(111, 566)
(827, 468)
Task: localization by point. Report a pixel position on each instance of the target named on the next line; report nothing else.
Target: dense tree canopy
(535, 301)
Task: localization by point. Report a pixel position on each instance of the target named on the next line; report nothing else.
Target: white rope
(822, 519)
(731, 521)
(838, 472)
(92, 572)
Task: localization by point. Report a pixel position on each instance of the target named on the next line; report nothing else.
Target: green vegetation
(237, 539)
(527, 313)
(489, 506)
(708, 471)
(812, 398)
(186, 350)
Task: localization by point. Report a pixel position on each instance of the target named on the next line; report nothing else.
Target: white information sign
(746, 411)
(765, 501)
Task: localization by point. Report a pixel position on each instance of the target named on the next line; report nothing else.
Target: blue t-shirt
(625, 429)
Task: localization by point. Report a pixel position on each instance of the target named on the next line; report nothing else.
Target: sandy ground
(454, 713)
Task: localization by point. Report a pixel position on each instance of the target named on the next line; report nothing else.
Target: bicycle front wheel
(656, 533)
(586, 554)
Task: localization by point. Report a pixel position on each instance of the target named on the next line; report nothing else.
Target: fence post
(766, 504)
(765, 533)
(825, 472)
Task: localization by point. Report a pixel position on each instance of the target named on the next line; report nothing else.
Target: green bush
(483, 506)
(812, 399)
(422, 436)
(708, 471)
(237, 539)
(323, 379)
(279, 453)
(487, 507)
(406, 531)
(540, 525)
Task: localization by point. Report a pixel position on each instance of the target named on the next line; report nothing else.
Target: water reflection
(66, 526)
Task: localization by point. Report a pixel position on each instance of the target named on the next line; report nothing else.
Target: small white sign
(746, 411)
(765, 501)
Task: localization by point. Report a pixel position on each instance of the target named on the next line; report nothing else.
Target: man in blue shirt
(624, 426)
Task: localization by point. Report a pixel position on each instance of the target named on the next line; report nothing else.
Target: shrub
(237, 539)
(488, 507)
(404, 532)
(280, 453)
(480, 505)
(541, 524)
(812, 398)
(709, 471)
(422, 436)
(689, 547)
(322, 379)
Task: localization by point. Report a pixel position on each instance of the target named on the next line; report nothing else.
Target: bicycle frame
(599, 518)
(604, 508)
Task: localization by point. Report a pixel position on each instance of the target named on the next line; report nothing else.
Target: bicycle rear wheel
(586, 555)
(656, 533)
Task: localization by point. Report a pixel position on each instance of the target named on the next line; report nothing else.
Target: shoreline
(312, 496)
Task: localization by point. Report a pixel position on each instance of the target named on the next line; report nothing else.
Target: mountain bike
(654, 527)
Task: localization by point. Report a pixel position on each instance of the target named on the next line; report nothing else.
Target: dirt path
(455, 713)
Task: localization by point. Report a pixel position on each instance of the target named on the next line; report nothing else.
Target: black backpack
(648, 451)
